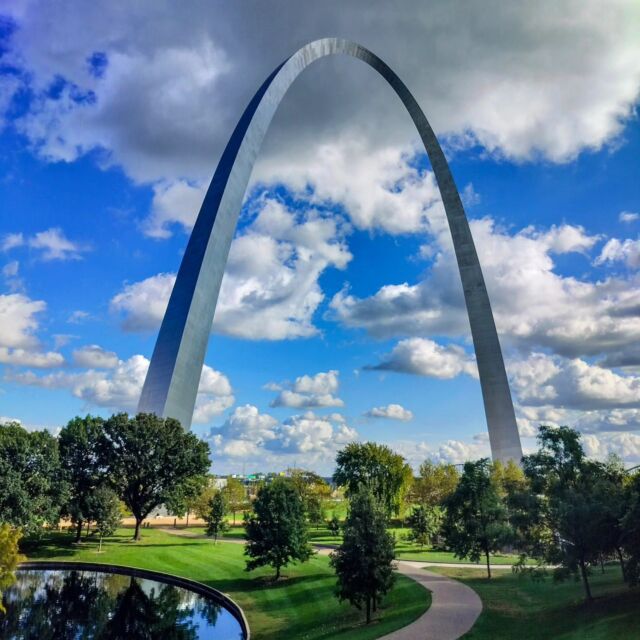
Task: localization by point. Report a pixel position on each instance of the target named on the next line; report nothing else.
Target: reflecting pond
(79, 605)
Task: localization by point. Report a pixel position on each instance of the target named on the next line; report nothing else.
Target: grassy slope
(516, 607)
(302, 606)
(404, 549)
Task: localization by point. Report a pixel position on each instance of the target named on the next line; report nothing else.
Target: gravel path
(454, 606)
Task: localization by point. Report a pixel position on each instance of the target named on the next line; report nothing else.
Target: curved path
(454, 606)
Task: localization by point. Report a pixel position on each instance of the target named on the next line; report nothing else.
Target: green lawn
(515, 607)
(301, 606)
(404, 549)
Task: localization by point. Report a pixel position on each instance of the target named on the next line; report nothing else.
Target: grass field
(515, 607)
(404, 549)
(301, 606)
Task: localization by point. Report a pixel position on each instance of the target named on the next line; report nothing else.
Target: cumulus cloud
(534, 305)
(54, 245)
(628, 216)
(19, 344)
(11, 241)
(247, 433)
(425, 357)
(118, 388)
(270, 289)
(311, 391)
(163, 105)
(625, 251)
(390, 411)
(95, 357)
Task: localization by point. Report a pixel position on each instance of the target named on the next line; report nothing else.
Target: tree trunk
(100, 545)
(585, 580)
(79, 531)
(136, 534)
(86, 535)
(277, 572)
(368, 609)
(187, 525)
(621, 560)
(486, 553)
(234, 517)
(375, 602)
(601, 563)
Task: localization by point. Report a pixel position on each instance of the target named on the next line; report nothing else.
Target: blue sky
(341, 314)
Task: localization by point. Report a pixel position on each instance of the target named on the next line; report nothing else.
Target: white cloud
(56, 246)
(427, 358)
(119, 387)
(270, 289)
(628, 216)
(390, 411)
(95, 357)
(534, 306)
(625, 251)
(175, 202)
(10, 273)
(78, 316)
(311, 391)
(11, 241)
(27, 358)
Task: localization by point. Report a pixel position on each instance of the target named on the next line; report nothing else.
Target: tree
(215, 516)
(183, 497)
(235, 495)
(313, 490)
(364, 561)
(476, 522)
(32, 481)
(147, 458)
(80, 461)
(9, 557)
(434, 484)
(630, 529)
(572, 494)
(334, 526)
(104, 510)
(425, 523)
(386, 473)
(276, 532)
(202, 501)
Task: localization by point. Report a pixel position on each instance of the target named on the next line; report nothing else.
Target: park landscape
(376, 376)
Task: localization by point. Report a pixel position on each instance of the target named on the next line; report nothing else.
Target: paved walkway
(454, 606)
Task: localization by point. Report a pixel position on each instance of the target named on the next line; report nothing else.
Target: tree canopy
(148, 457)
(434, 484)
(276, 532)
(377, 467)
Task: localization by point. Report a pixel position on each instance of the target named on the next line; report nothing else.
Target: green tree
(572, 493)
(434, 484)
(235, 495)
(80, 461)
(476, 521)
(425, 523)
(215, 517)
(9, 557)
(313, 491)
(364, 561)
(104, 510)
(32, 481)
(334, 526)
(630, 530)
(276, 532)
(183, 497)
(376, 466)
(147, 457)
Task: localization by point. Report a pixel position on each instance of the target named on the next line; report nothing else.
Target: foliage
(148, 457)
(313, 490)
(104, 511)
(236, 495)
(476, 520)
(276, 531)
(434, 484)
(32, 481)
(630, 531)
(384, 472)
(364, 561)
(78, 443)
(425, 524)
(334, 526)
(9, 556)
(214, 518)
(183, 496)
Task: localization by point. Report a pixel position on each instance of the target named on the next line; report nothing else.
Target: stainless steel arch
(171, 384)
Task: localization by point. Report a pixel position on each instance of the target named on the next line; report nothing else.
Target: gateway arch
(171, 385)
